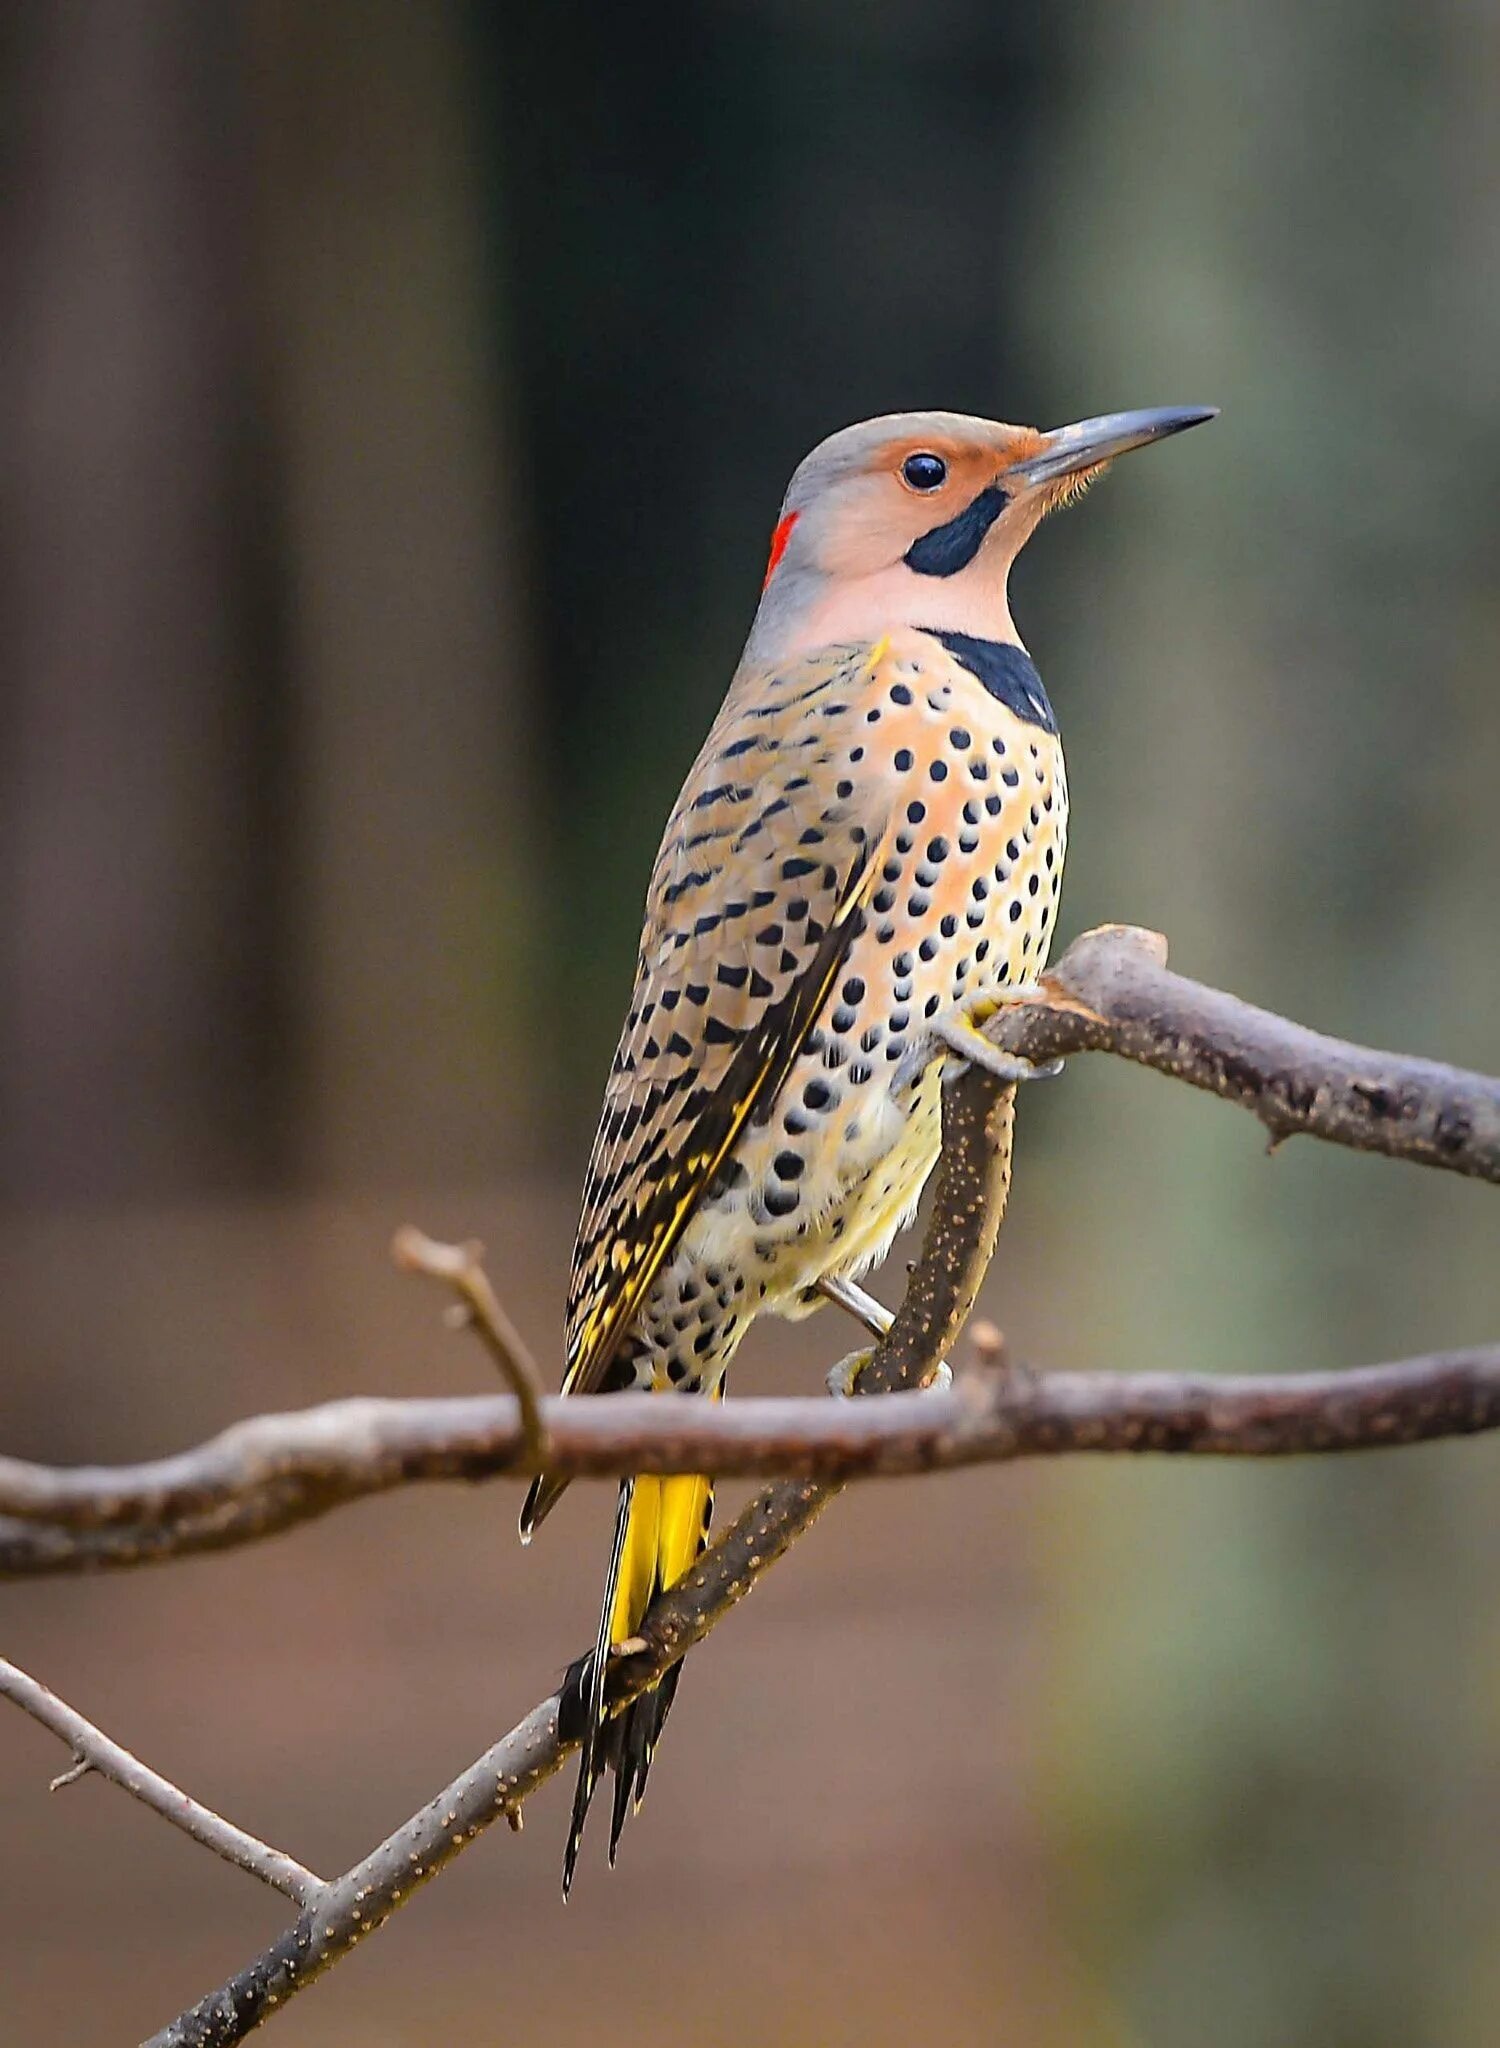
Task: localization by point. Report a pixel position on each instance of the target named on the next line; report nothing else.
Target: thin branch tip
(461, 1267)
(94, 1751)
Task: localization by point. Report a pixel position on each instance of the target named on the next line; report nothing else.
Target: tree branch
(94, 1751)
(1110, 992)
(971, 1180)
(1113, 992)
(280, 1470)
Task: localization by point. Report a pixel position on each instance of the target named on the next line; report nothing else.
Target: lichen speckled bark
(966, 1218)
(1113, 992)
(985, 1420)
(972, 1180)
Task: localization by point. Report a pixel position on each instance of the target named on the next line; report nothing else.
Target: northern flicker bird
(863, 863)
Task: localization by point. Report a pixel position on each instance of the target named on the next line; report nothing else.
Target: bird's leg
(842, 1378)
(960, 1033)
(864, 1308)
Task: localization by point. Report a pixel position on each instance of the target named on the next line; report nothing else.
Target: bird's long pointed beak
(1090, 442)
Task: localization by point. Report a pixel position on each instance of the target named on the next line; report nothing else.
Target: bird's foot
(843, 1378)
(961, 1035)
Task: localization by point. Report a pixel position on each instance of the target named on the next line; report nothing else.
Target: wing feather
(755, 898)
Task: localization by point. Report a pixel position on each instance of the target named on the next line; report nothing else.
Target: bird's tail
(660, 1530)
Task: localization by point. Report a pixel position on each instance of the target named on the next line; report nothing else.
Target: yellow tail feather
(661, 1531)
(664, 1536)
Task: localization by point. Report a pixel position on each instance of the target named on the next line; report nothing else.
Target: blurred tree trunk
(406, 649)
(137, 999)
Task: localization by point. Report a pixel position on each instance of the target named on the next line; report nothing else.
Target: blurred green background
(396, 403)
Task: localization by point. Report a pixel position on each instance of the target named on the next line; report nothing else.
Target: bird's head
(915, 518)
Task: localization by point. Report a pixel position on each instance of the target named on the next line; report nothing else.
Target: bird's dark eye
(924, 472)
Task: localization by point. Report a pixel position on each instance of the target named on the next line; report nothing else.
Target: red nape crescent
(779, 540)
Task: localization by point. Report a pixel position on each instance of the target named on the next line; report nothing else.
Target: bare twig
(1113, 992)
(461, 1267)
(94, 1751)
(284, 1469)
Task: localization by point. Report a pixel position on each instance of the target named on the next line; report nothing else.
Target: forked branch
(1110, 992)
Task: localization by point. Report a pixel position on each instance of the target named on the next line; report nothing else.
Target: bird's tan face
(915, 519)
(919, 483)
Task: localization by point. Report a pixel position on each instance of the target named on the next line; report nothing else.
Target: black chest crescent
(1007, 672)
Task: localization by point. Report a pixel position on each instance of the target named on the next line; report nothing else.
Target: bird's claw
(961, 1035)
(843, 1378)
